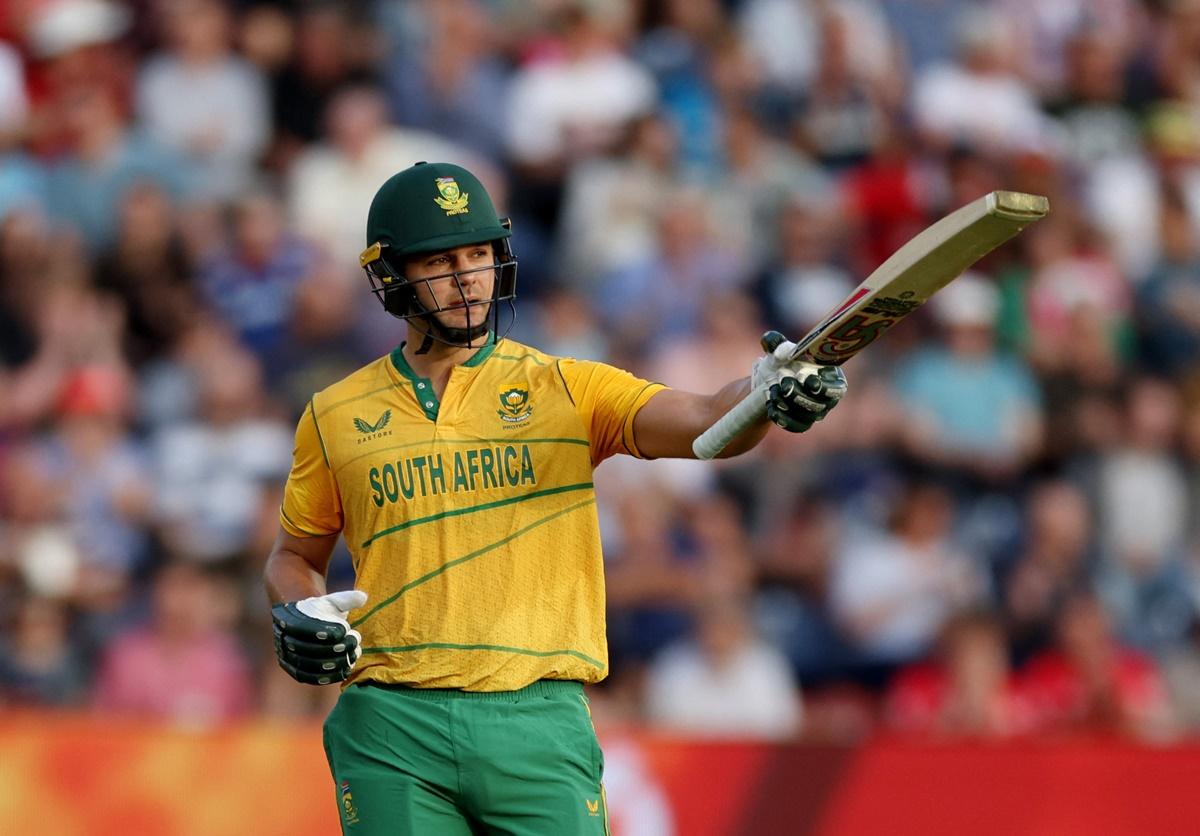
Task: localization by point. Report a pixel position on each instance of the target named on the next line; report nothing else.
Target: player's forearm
(288, 576)
(723, 401)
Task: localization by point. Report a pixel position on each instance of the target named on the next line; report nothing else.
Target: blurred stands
(996, 534)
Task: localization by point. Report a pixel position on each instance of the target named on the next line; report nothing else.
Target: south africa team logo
(452, 199)
(349, 811)
(514, 405)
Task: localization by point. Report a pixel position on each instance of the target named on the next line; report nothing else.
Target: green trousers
(420, 762)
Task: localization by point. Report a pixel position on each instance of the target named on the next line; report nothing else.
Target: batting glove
(314, 642)
(799, 393)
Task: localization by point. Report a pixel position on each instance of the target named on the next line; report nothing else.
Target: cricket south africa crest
(349, 811)
(452, 199)
(514, 404)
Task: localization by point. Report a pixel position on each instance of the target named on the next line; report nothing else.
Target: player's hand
(798, 393)
(314, 642)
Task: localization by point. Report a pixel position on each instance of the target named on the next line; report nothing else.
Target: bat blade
(923, 266)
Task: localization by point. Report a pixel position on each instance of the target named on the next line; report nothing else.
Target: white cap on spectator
(970, 300)
(70, 24)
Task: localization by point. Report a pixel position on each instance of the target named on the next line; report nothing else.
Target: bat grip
(730, 425)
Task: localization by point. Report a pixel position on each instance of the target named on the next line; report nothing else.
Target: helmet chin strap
(458, 337)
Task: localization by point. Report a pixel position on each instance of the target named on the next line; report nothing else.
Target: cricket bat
(900, 285)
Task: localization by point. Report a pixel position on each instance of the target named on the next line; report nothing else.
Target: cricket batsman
(459, 470)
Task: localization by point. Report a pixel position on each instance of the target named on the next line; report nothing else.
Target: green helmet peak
(432, 206)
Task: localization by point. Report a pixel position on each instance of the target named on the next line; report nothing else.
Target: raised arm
(798, 394)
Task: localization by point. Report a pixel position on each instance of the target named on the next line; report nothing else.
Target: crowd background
(996, 534)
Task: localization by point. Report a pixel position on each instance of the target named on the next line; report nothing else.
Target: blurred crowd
(996, 534)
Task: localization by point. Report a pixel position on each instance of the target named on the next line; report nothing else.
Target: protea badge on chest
(514, 404)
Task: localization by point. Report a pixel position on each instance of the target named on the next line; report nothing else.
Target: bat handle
(730, 425)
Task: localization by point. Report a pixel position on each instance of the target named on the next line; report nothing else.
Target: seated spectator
(1143, 510)
(1169, 299)
(150, 271)
(971, 410)
(186, 665)
(1092, 684)
(662, 295)
(969, 691)
(102, 468)
(453, 83)
(1055, 562)
(572, 104)
(203, 101)
(893, 590)
(331, 183)
(724, 682)
(212, 467)
(39, 664)
(252, 283)
(106, 156)
(979, 100)
(325, 60)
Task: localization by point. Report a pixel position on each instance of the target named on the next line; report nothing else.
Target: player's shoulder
(512, 353)
(365, 379)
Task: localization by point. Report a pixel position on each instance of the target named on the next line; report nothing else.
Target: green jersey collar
(478, 358)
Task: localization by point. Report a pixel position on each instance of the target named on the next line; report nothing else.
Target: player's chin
(465, 318)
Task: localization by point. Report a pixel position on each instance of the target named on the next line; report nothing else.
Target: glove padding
(799, 393)
(314, 642)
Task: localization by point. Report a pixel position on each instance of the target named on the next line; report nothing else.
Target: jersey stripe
(471, 556)
(517, 358)
(312, 410)
(471, 509)
(354, 398)
(494, 647)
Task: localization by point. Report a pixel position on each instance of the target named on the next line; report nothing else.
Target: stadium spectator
(324, 61)
(969, 692)
(331, 183)
(185, 666)
(979, 99)
(672, 281)
(211, 468)
(1090, 683)
(251, 282)
(1055, 562)
(892, 590)
(39, 664)
(725, 682)
(107, 156)
(572, 102)
(452, 83)
(971, 410)
(200, 99)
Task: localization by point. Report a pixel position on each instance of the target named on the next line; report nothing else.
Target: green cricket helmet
(430, 208)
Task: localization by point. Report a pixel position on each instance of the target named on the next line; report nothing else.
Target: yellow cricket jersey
(472, 522)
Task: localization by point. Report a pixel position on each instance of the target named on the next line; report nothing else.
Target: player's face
(457, 284)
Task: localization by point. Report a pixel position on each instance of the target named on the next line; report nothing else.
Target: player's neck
(437, 363)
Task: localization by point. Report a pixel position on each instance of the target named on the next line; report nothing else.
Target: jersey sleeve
(607, 399)
(312, 506)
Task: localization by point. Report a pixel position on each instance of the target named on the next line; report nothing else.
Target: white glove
(313, 639)
(335, 607)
